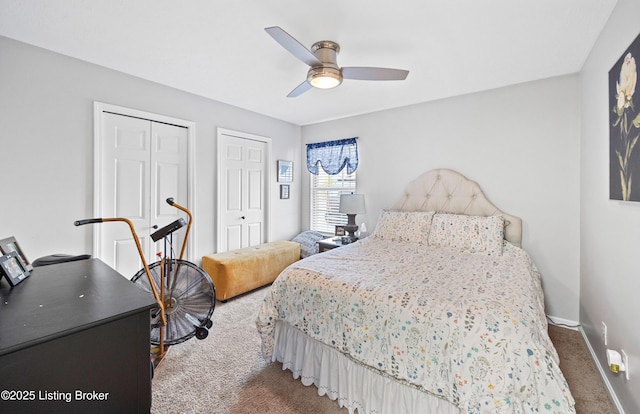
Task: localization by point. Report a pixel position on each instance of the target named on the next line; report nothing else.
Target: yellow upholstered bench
(239, 271)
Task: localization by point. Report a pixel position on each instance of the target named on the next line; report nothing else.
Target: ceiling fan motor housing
(327, 75)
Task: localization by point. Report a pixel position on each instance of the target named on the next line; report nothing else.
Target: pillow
(308, 241)
(404, 226)
(474, 234)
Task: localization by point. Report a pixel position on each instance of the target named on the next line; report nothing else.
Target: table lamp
(352, 204)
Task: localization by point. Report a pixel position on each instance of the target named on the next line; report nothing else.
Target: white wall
(46, 147)
(610, 230)
(520, 143)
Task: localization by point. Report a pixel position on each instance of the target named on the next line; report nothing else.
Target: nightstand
(330, 243)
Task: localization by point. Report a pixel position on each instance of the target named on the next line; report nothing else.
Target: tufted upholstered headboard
(448, 191)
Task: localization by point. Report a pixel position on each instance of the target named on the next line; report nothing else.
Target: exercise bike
(183, 291)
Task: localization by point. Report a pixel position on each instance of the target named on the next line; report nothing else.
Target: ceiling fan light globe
(324, 78)
(324, 82)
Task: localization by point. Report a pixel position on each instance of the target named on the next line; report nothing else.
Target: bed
(438, 311)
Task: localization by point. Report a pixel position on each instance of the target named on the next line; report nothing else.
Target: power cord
(562, 324)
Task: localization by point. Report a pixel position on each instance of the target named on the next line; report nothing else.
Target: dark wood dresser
(74, 337)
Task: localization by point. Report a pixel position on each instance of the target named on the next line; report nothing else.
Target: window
(332, 165)
(325, 199)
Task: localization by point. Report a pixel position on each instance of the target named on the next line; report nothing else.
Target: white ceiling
(219, 49)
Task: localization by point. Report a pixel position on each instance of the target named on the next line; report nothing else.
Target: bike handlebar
(170, 201)
(87, 221)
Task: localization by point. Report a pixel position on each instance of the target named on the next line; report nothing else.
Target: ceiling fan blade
(292, 45)
(366, 73)
(300, 89)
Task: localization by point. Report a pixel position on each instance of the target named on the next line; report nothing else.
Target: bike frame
(158, 293)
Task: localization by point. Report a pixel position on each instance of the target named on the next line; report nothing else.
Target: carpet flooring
(225, 372)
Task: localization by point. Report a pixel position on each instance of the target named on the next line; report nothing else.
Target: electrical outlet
(625, 362)
(604, 333)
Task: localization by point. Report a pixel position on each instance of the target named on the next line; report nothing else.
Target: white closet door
(169, 178)
(243, 183)
(143, 163)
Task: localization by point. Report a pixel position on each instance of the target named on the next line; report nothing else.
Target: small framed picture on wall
(284, 191)
(285, 171)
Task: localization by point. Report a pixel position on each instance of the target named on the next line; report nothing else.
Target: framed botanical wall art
(624, 127)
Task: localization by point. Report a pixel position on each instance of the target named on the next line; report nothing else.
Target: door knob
(155, 226)
(243, 217)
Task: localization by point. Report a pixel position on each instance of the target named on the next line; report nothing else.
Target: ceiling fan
(324, 72)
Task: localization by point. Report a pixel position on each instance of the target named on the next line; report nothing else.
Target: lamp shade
(352, 203)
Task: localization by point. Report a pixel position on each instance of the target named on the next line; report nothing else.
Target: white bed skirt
(352, 385)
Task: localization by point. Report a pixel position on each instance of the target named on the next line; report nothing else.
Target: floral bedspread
(466, 327)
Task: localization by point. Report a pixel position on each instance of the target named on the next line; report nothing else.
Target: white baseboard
(602, 371)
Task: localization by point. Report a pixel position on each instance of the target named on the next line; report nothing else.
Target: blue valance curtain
(333, 156)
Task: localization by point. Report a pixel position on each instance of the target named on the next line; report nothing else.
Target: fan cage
(189, 297)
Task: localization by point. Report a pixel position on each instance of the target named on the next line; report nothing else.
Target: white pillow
(474, 234)
(410, 226)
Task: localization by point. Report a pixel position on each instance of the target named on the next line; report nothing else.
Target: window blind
(325, 199)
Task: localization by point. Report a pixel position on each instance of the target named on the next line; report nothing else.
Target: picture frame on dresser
(10, 244)
(12, 268)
